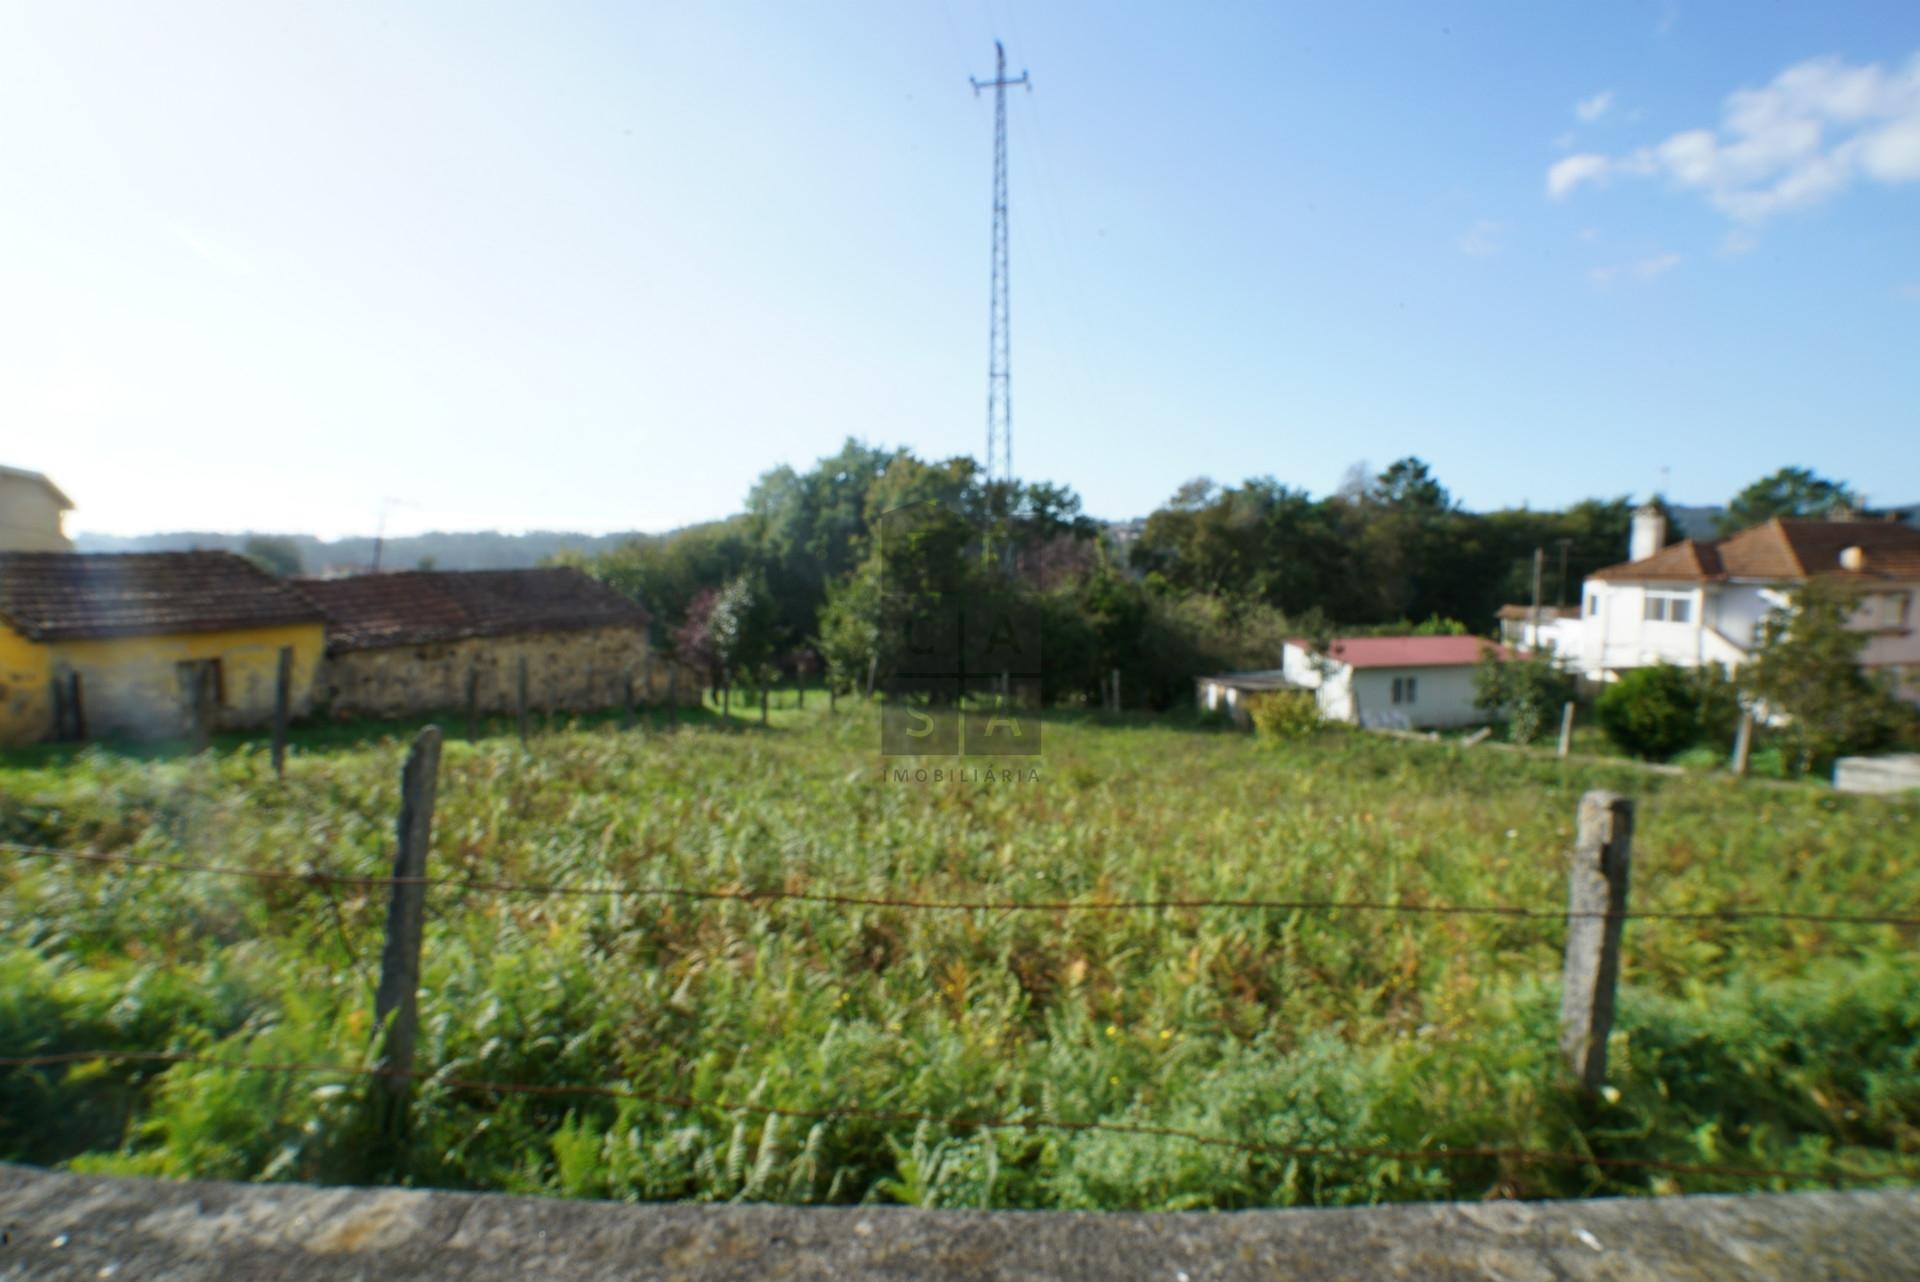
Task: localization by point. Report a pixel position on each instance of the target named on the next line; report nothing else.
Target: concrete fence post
(473, 702)
(1596, 909)
(396, 1004)
(1743, 744)
(282, 708)
(1566, 728)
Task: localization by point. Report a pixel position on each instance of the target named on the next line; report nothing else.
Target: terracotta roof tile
(1782, 550)
(64, 596)
(417, 607)
(1690, 560)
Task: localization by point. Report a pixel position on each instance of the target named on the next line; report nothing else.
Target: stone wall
(89, 1227)
(573, 671)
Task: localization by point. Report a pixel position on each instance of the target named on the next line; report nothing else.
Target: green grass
(1774, 1044)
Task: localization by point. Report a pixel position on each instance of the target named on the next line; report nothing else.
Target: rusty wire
(760, 895)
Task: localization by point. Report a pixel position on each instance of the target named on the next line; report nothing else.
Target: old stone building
(424, 641)
(144, 644)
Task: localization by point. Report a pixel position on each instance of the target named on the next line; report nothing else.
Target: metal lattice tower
(999, 340)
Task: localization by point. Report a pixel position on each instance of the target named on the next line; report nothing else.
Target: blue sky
(597, 266)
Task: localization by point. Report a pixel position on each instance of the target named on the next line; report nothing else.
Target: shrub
(1651, 712)
(1529, 692)
(1285, 715)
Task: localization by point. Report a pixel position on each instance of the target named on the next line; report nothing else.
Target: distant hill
(471, 550)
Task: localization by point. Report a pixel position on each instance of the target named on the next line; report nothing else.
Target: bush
(1285, 715)
(1651, 712)
(1529, 692)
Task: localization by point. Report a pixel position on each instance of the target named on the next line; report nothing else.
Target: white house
(1401, 682)
(1705, 601)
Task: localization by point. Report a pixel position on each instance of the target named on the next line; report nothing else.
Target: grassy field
(1749, 1043)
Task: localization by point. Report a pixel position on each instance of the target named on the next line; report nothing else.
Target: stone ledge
(96, 1228)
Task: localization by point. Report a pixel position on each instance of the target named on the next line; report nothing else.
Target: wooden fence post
(673, 696)
(833, 697)
(473, 702)
(520, 701)
(1566, 728)
(873, 672)
(626, 705)
(1743, 744)
(396, 1005)
(763, 702)
(282, 708)
(800, 691)
(1596, 908)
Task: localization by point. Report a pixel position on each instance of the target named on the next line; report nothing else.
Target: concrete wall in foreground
(90, 1227)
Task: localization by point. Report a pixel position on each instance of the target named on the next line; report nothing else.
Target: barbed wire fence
(1595, 915)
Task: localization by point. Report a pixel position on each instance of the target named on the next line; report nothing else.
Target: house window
(1885, 611)
(1405, 689)
(1593, 604)
(1669, 607)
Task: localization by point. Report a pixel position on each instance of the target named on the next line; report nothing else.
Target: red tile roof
(1782, 550)
(65, 596)
(418, 607)
(1408, 652)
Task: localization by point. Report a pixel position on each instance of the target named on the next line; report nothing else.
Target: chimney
(1649, 532)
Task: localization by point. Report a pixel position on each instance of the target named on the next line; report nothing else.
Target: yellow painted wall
(26, 699)
(130, 685)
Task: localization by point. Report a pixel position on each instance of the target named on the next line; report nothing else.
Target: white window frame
(1663, 605)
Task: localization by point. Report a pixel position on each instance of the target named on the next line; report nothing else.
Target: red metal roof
(1408, 652)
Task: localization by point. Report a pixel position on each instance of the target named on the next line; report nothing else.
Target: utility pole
(999, 341)
(1564, 545)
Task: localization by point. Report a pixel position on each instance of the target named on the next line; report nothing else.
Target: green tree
(277, 554)
(1792, 491)
(1651, 712)
(743, 627)
(1528, 691)
(1807, 674)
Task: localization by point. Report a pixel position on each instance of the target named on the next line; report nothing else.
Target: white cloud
(1910, 292)
(1740, 240)
(1482, 240)
(1644, 269)
(1564, 175)
(1799, 140)
(1591, 109)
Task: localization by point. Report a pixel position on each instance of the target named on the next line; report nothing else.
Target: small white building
(1704, 601)
(1229, 691)
(1558, 628)
(1395, 682)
